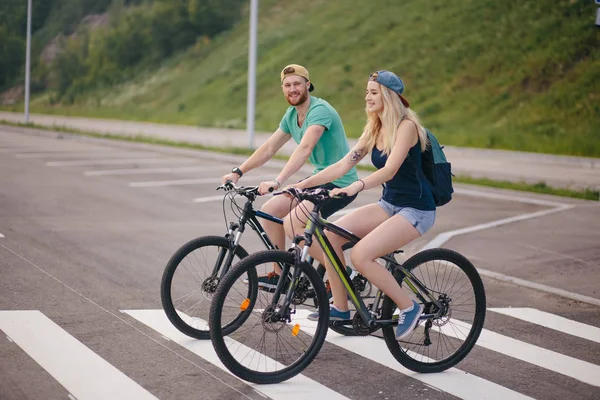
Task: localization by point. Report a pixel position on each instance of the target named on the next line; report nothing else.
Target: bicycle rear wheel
(440, 343)
(187, 286)
(264, 348)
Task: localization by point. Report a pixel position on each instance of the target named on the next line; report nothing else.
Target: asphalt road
(86, 227)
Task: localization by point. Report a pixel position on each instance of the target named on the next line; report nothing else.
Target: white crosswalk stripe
(552, 321)
(81, 371)
(23, 327)
(299, 387)
(569, 366)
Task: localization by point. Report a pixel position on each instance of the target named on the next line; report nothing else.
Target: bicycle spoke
(458, 311)
(265, 342)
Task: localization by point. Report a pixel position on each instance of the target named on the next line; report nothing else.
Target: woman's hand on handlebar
(349, 190)
(267, 187)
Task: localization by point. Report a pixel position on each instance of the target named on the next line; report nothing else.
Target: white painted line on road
(300, 387)
(442, 238)
(1, 235)
(453, 381)
(177, 182)
(167, 170)
(79, 163)
(13, 149)
(216, 379)
(552, 321)
(91, 154)
(82, 372)
(538, 286)
(577, 369)
(506, 197)
(208, 199)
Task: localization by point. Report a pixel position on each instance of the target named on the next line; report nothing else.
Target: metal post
(28, 62)
(250, 112)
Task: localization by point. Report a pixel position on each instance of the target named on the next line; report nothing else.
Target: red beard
(303, 97)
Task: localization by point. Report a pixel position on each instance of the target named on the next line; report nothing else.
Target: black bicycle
(193, 273)
(271, 339)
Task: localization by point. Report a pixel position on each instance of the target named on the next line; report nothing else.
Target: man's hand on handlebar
(233, 177)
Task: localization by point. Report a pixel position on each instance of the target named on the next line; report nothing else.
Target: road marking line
(577, 369)
(443, 237)
(166, 170)
(13, 149)
(177, 182)
(453, 381)
(300, 387)
(207, 199)
(552, 321)
(1, 235)
(69, 361)
(119, 317)
(91, 154)
(507, 197)
(78, 163)
(538, 286)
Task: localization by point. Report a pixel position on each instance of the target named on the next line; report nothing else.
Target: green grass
(540, 187)
(507, 75)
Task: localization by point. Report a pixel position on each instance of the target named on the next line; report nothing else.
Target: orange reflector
(296, 330)
(244, 304)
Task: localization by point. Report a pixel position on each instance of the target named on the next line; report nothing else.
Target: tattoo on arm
(355, 156)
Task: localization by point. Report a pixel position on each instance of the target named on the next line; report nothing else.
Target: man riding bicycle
(317, 129)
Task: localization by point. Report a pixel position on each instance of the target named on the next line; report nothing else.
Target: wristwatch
(238, 171)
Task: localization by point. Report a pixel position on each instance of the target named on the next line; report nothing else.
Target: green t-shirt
(331, 147)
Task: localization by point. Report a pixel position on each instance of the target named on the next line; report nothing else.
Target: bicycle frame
(251, 217)
(316, 226)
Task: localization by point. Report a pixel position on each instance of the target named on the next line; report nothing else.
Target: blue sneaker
(334, 314)
(407, 320)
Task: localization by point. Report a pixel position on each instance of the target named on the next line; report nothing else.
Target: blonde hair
(393, 113)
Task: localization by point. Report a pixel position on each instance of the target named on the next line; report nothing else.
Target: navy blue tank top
(409, 187)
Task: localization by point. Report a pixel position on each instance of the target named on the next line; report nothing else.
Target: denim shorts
(420, 219)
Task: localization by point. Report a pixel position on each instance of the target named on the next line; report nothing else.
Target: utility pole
(28, 62)
(251, 102)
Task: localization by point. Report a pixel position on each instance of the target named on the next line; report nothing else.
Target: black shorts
(332, 206)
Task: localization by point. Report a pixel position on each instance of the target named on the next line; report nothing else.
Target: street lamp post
(28, 62)
(251, 102)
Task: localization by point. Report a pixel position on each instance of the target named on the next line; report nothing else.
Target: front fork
(225, 257)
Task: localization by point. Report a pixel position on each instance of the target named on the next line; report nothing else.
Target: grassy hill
(515, 75)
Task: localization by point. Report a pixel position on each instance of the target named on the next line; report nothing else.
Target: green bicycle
(271, 340)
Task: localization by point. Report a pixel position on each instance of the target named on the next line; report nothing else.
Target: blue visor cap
(391, 81)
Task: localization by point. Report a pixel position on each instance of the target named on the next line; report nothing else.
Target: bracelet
(363, 186)
(277, 182)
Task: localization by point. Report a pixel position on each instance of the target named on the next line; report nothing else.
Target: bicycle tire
(408, 358)
(166, 289)
(310, 351)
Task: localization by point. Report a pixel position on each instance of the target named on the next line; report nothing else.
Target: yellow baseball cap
(299, 70)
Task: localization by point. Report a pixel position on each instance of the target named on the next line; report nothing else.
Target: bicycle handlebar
(315, 196)
(229, 186)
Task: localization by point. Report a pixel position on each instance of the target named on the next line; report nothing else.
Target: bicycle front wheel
(188, 284)
(272, 343)
(443, 341)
